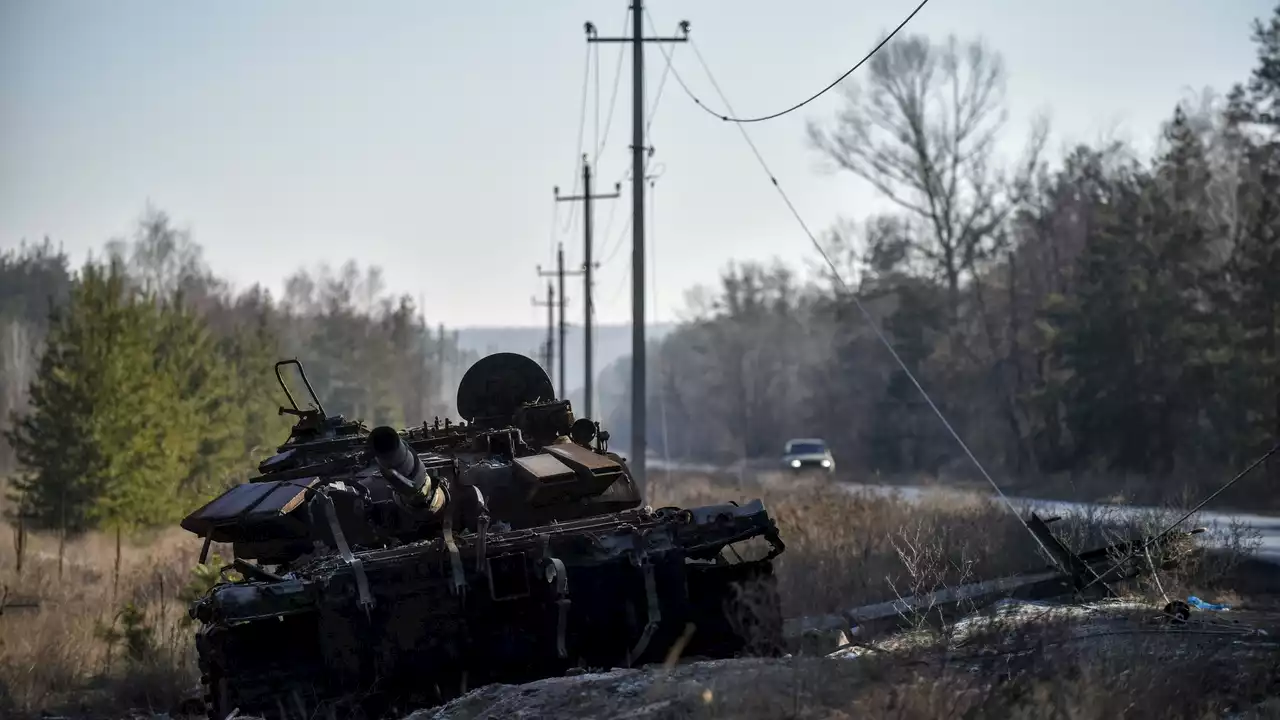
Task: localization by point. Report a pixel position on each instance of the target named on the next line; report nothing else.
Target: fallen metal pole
(849, 619)
(1073, 574)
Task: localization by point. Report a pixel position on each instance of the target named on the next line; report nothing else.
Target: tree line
(141, 383)
(1098, 312)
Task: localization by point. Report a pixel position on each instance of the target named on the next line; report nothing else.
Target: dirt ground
(1105, 660)
(844, 550)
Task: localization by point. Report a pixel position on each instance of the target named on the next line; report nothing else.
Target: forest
(1094, 317)
(141, 383)
(1090, 322)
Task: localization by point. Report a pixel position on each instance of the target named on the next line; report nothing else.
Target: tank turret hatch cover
(499, 384)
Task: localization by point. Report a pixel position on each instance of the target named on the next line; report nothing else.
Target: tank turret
(509, 546)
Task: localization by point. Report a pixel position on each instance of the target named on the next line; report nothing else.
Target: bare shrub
(848, 547)
(83, 652)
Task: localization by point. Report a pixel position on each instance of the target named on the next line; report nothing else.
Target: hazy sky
(425, 136)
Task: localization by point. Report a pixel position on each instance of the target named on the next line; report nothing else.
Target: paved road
(1267, 527)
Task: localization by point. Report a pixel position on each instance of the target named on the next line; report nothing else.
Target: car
(802, 454)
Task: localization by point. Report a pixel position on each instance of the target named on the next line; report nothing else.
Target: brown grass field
(95, 648)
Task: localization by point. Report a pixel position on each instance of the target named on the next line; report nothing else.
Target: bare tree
(922, 131)
(1212, 119)
(163, 259)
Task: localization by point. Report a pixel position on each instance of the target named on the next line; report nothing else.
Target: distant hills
(612, 342)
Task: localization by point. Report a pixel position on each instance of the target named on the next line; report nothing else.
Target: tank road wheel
(210, 680)
(737, 612)
(754, 609)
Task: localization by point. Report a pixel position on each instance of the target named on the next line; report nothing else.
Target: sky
(425, 137)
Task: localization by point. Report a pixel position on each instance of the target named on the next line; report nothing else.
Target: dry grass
(843, 550)
(846, 549)
(82, 652)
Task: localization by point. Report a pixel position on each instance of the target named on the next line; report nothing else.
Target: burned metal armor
(390, 569)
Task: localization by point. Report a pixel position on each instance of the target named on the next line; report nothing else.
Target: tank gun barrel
(378, 554)
(399, 463)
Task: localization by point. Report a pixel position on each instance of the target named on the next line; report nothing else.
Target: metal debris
(396, 569)
(1071, 575)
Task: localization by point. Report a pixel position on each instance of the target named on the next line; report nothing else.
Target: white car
(802, 454)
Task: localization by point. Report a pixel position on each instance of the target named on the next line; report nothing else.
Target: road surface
(1266, 527)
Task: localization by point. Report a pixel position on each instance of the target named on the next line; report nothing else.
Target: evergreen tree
(205, 424)
(1257, 257)
(251, 349)
(81, 441)
(1135, 333)
(133, 412)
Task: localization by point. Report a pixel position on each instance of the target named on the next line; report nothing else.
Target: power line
(586, 199)
(560, 273)
(613, 208)
(608, 225)
(622, 234)
(620, 286)
(617, 244)
(555, 213)
(653, 256)
(659, 170)
(811, 98)
(662, 82)
(902, 365)
(653, 297)
(1156, 538)
(596, 137)
(648, 124)
(549, 351)
(613, 96)
(582, 125)
(652, 276)
(638, 157)
(651, 113)
(858, 302)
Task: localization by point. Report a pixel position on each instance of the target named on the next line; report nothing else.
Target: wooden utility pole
(587, 266)
(638, 149)
(562, 388)
(549, 354)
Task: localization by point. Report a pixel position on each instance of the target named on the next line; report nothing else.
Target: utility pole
(587, 265)
(441, 372)
(550, 304)
(562, 388)
(638, 149)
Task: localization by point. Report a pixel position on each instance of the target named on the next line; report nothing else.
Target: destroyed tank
(384, 570)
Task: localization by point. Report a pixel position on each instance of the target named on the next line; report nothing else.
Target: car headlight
(826, 463)
(795, 463)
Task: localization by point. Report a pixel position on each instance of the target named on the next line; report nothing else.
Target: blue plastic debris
(1196, 602)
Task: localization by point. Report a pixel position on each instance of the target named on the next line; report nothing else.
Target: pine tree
(86, 402)
(251, 350)
(1255, 263)
(206, 426)
(1097, 333)
(133, 415)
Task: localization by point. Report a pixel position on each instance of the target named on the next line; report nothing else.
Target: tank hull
(388, 631)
